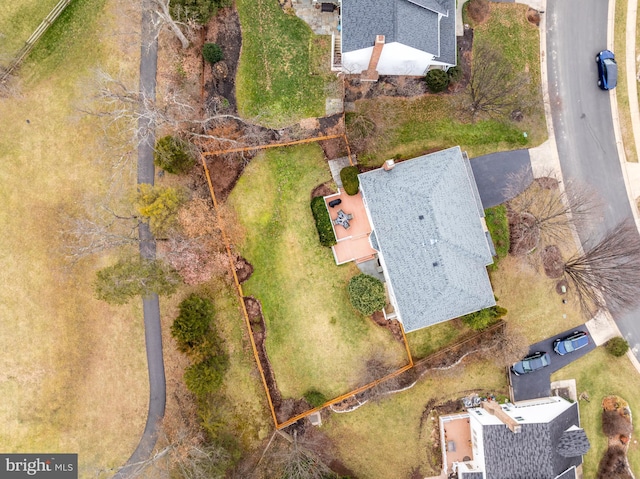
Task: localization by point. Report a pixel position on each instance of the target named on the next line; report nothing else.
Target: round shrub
(617, 346)
(212, 53)
(315, 397)
(350, 181)
(366, 294)
(191, 326)
(437, 80)
(206, 376)
(173, 155)
(455, 74)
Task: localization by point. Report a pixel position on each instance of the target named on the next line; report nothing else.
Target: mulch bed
(393, 325)
(552, 261)
(244, 269)
(325, 189)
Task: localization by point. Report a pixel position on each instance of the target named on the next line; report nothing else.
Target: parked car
(571, 343)
(530, 363)
(607, 70)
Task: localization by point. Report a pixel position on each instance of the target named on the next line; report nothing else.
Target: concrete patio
(353, 243)
(456, 439)
(322, 23)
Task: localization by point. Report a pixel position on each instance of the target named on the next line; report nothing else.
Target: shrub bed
(323, 222)
(366, 294)
(498, 226)
(617, 346)
(484, 318)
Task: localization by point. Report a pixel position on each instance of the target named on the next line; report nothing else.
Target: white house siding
(396, 59)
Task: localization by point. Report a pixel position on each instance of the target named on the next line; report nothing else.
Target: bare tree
(494, 88)
(541, 211)
(164, 16)
(299, 462)
(607, 273)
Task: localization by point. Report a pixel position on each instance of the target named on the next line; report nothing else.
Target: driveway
(492, 173)
(538, 384)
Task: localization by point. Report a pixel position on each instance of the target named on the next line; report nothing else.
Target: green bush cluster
(498, 226)
(315, 397)
(366, 294)
(323, 221)
(212, 52)
(173, 155)
(484, 318)
(437, 80)
(617, 346)
(455, 74)
(350, 181)
(197, 337)
(199, 10)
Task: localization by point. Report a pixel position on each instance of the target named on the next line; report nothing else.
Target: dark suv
(530, 363)
(607, 70)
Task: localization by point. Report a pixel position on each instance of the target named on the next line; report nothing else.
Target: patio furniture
(327, 7)
(349, 216)
(335, 202)
(451, 446)
(346, 224)
(340, 213)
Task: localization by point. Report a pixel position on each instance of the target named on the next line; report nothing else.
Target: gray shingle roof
(573, 442)
(428, 229)
(530, 454)
(410, 22)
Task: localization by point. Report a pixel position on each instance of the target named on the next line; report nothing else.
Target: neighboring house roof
(426, 225)
(568, 474)
(427, 25)
(532, 453)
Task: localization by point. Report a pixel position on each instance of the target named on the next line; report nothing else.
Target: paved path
(494, 171)
(150, 304)
(538, 384)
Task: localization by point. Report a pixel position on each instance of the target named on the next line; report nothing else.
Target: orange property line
(275, 145)
(239, 289)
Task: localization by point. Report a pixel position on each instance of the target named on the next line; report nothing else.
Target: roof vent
(421, 217)
(433, 241)
(435, 263)
(388, 165)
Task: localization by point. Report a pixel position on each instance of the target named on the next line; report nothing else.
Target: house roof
(532, 453)
(428, 230)
(414, 23)
(568, 474)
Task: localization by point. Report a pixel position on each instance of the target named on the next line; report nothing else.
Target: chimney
(492, 407)
(371, 73)
(388, 165)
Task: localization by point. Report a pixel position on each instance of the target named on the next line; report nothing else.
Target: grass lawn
(74, 375)
(400, 426)
(600, 374)
(409, 127)
(18, 20)
(622, 92)
(284, 67)
(530, 297)
(315, 339)
(429, 340)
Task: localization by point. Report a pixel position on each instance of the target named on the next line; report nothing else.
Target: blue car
(573, 342)
(530, 363)
(607, 70)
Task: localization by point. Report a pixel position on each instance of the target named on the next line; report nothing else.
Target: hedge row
(323, 222)
(350, 181)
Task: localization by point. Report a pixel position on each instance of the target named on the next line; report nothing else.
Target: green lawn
(622, 91)
(18, 20)
(398, 429)
(429, 340)
(315, 339)
(600, 374)
(409, 127)
(74, 375)
(283, 69)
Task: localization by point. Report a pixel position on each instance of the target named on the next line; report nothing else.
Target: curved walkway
(151, 305)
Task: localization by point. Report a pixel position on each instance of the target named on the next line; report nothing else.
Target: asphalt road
(538, 384)
(492, 173)
(150, 304)
(581, 112)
